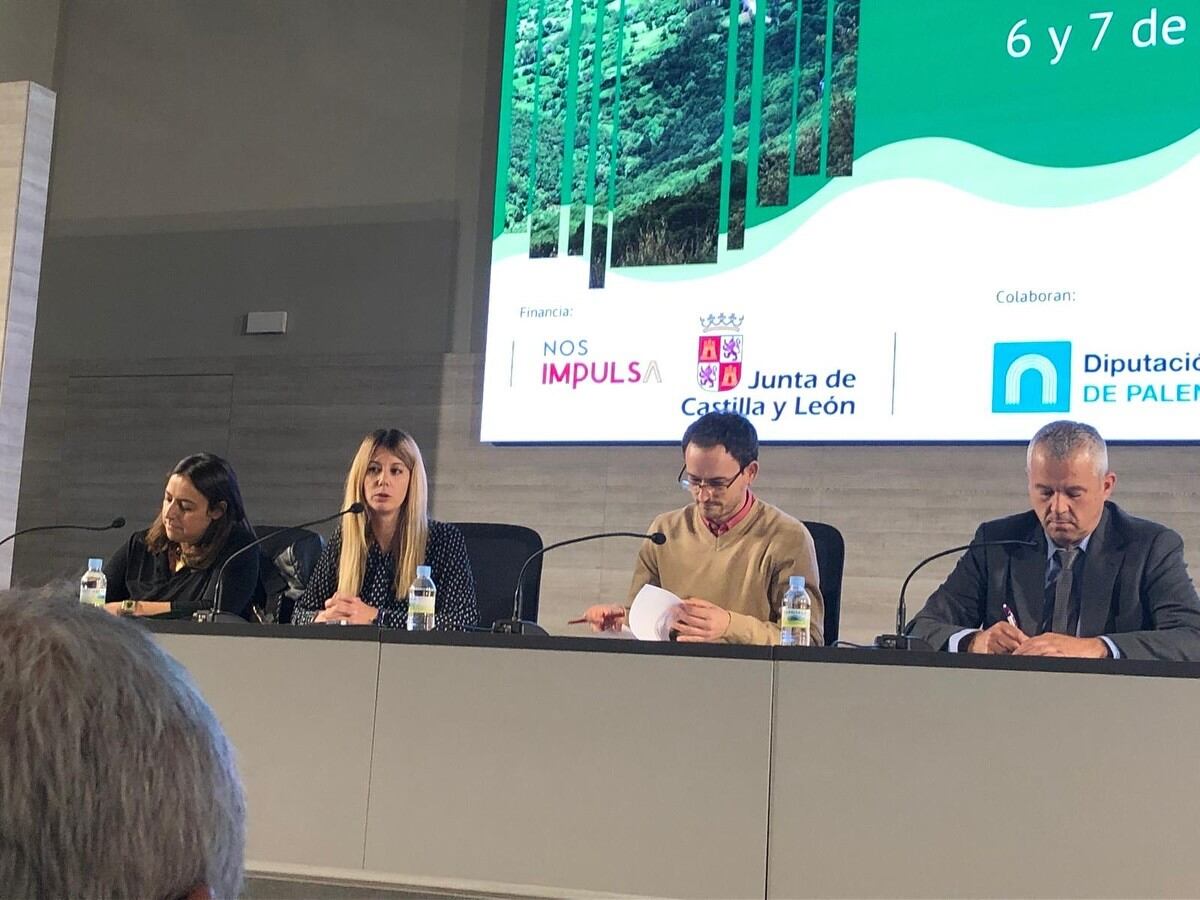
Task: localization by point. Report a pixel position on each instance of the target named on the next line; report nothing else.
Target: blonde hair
(412, 531)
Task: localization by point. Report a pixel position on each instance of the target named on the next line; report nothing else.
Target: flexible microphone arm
(517, 625)
(118, 522)
(899, 641)
(210, 615)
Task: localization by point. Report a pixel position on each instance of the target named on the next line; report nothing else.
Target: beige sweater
(745, 570)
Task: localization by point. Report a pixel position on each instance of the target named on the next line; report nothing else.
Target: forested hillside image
(682, 119)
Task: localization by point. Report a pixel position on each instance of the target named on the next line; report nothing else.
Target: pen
(1008, 614)
(581, 621)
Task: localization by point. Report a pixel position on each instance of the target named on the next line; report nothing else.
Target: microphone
(900, 640)
(118, 522)
(213, 614)
(517, 625)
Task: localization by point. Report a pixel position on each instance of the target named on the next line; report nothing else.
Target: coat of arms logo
(719, 358)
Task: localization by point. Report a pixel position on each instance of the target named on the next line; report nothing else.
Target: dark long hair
(215, 479)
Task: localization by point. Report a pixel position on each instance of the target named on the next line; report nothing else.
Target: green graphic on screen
(896, 191)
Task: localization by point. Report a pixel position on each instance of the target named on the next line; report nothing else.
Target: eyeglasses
(716, 485)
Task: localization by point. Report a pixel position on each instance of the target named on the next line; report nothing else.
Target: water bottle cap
(95, 563)
(796, 583)
(424, 571)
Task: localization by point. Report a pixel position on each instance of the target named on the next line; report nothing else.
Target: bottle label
(93, 596)
(794, 618)
(422, 602)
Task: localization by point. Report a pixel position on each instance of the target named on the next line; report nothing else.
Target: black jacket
(1136, 590)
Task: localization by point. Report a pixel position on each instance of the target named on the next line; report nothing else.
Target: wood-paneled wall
(102, 435)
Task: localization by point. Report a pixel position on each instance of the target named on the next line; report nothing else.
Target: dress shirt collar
(719, 528)
(1051, 547)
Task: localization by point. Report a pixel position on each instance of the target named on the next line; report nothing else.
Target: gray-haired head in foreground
(1063, 439)
(116, 779)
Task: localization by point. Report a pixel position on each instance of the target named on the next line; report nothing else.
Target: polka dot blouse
(445, 553)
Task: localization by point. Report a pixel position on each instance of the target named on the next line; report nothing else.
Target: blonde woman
(362, 577)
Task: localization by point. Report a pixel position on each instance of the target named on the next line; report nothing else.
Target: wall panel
(117, 438)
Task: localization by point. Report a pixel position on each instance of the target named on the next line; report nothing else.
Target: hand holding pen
(1004, 636)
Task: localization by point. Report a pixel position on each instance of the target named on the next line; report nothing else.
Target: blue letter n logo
(1032, 377)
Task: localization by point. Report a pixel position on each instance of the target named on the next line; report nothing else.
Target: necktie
(1062, 591)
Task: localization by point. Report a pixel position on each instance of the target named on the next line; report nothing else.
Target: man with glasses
(728, 554)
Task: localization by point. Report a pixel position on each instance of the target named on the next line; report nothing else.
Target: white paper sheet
(653, 612)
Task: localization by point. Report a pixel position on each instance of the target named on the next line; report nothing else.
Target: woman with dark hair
(363, 575)
(170, 569)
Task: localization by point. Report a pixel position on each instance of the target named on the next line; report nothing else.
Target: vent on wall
(266, 322)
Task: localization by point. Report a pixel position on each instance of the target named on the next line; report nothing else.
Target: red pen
(1008, 614)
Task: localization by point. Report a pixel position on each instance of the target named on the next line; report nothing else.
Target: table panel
(911, 781)
(300, 715)
(629, 773)
(572, 768)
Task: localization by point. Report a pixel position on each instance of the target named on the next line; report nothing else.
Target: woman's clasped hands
(348, 610)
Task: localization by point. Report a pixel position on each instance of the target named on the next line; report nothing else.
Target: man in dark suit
(1080, 577)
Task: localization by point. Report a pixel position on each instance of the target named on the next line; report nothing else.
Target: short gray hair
(117, 780)
(1063, 439)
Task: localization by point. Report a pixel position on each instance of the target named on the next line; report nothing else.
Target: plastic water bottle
(93, 586)
(795, 614)
(422, 599)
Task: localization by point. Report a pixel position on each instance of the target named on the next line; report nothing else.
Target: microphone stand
(118, 522)
(902, 641)
(210, 616)
(517, 625)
